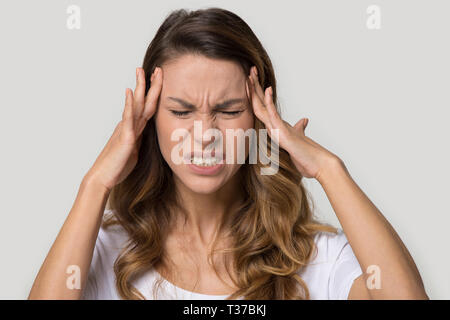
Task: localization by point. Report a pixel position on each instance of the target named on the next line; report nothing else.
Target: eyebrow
(223, 105)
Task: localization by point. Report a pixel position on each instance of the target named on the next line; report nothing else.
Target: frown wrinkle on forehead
(223, 105)
(201, 81)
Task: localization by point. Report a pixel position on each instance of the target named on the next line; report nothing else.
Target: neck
(205, 212)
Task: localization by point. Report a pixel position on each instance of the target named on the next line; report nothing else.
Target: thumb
(301, 124)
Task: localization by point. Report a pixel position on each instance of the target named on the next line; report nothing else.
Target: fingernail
(271, 90)
(255, 70)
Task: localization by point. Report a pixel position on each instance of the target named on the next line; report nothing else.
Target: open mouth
(206, 164)
(206, 160)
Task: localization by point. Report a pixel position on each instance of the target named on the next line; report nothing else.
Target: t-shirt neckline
(187, 291)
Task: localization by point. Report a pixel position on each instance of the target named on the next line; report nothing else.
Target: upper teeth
(204, 162)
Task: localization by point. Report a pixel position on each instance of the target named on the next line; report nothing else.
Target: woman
(211, 229)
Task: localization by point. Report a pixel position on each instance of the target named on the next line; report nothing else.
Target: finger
(258, 88)
(258, 107)
(153, 94)
(139, 92)
(127, 115)
(272, 110)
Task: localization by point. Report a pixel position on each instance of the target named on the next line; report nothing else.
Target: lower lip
(206, 170)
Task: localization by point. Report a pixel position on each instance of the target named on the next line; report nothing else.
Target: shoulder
(332, 268)
(101, 278)
(111, 240)
(329, 246)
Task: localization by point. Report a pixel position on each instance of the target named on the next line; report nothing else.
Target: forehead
(197, 76)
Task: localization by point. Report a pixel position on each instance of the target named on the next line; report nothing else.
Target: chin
(202, 184)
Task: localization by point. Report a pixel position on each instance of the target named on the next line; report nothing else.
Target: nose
(205, 131)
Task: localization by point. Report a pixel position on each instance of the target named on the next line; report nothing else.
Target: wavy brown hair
(272, 231)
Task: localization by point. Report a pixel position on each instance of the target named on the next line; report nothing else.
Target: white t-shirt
(329, 275)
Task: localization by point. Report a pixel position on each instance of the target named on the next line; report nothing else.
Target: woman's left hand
(310, 158)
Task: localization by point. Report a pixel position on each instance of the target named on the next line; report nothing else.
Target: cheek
(245, 121)
(240, 144)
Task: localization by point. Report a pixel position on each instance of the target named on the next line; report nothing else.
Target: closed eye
(180, 113)
(231, 113)
(185, 113)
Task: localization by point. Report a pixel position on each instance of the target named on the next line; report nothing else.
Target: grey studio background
(378, 98)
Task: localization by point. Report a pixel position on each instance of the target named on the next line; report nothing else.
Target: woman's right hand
(120, 154)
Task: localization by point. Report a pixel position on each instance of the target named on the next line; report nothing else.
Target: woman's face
(212, 93)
